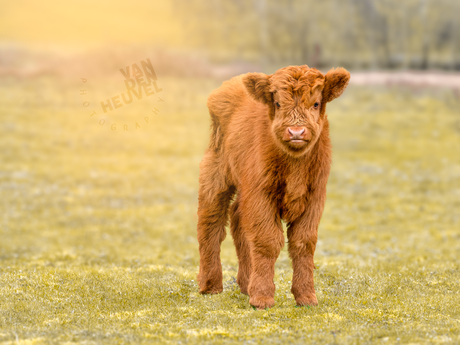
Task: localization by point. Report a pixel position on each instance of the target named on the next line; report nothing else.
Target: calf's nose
(296, 133)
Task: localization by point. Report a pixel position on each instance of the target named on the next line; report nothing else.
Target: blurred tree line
(358, 34)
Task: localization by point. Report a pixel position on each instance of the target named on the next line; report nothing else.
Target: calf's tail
(215, 140)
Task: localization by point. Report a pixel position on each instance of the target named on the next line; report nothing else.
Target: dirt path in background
(24, 64)
(409, 78)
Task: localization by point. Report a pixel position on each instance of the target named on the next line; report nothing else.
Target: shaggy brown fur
(270, 145)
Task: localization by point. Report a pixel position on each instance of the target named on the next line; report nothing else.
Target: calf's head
(297, 97)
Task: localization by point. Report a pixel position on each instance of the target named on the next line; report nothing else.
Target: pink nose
(296, 133)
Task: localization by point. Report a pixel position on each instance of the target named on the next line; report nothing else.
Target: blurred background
(194, 37)
(83, 192)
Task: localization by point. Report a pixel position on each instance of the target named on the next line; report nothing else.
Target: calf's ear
(258, 86)
(335, 83)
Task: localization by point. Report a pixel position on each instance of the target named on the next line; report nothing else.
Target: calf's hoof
(244, 291)
(210, 286)
(243, 287)
(211, 291)
(310, 300)
(262, 302)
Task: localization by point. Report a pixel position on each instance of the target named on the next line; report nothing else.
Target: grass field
(98, 238)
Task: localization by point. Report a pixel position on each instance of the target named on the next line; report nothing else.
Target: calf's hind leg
(242, 248)
(213, 200)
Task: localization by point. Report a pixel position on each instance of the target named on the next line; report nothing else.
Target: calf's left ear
(258, 86)
(335, 83)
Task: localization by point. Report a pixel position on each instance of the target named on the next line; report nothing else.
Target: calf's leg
(213, 200)
(242, 248)
(262, 225)
(302, 237)
(302, 245)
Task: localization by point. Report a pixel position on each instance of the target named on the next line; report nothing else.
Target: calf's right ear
(258, 86)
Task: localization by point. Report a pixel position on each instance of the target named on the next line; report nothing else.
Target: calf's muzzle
(296, 133)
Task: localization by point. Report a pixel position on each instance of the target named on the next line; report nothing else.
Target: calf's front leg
(302, 237)
(302, 245)
(261, 222)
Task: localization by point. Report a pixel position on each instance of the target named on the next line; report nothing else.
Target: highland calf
(270, 146)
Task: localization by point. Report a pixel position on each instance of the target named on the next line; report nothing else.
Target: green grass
(98, 240)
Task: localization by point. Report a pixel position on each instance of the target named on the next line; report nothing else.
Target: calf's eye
(316, 105)
(277, 105)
